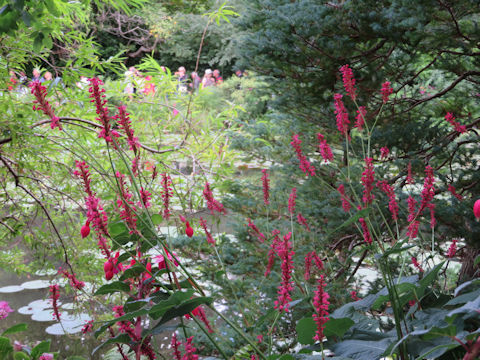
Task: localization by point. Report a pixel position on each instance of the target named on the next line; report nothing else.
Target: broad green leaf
(16, 328)
(157, 219)
(337, 327)
(5, 347)
(184, 308)
(133, 272)
(362, 349)
(306, 331)
(116, 286)
(21, 356)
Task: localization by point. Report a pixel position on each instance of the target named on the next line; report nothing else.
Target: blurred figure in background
(195, 84)
(208, 79)
(217, 77)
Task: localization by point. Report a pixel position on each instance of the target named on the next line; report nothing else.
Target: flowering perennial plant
(285, 253)
(42, 104)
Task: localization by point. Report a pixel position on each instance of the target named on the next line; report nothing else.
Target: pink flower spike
(320, 304)
(367, 181)
(126, 205)
(257, 232)
(146, 196)
(125, 124)
(341, 115)
(325, 150)
(54, 296)
(266, 187)
(384, 152)
(167, 192)
(305, 165)
(285, 253)
(102, 111)
(345, 203)
(176, 347)
(302, 221)
(453, 191)
(276, 243)
(416, 264)
(40, 93)
(212, 204)
(5, 309)
(386, 91)
(366, 233)
(450, 118)
(360, 118)
(291, 201)
(452, 249)
(392, 204)
(348, 81)
(312, 256)
(210, 238)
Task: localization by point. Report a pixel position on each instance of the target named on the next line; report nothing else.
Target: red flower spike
(386, 91)
(255, 229)
(285, 252)
(325, 150)
(212, 204)
(320, 303)
(265, 183)
(341, 115)
(305, 165)
(85, 230)
(54, 296)
(367, 181)
(40, 93)
(102, 111)
(188, 230)
(348, 81)
(345, 203)
(416, 264)
(360, 118)
(291, 201)
(451, 120)
(452, 249)
(453, 191)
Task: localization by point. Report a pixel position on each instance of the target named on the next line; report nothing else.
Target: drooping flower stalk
(386, 91)
(349, 81)
(54, 296)
(341, 115)
(368, 181)
(84, 174)
(309, 258)
(416, 264)
(453, 191)
(345, 203)
(255, 229)
(451, 120)
(305, 165)
(325, 150)
(125, 204)
(266, 187)
(42, 104)
(125, 123)
(212, 204)
(320, 304)
(285, 289)
(210, 238)
(302, 221)
(392, 204)
(366, 232)
(98, 97)
(74, 282)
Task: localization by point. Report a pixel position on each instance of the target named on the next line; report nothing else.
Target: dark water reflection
(66, 345)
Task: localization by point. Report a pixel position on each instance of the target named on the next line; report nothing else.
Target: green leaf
(337, 327)
(133, 272)
(119, 339)
(75, 357)
(306, 331)
(117, 228)
(476, 261)
(184, 308)
(157, 219)
(5, 347)
(16, 328)
(41, 348)
(362, 350)
(21, 356)
(116, 286)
